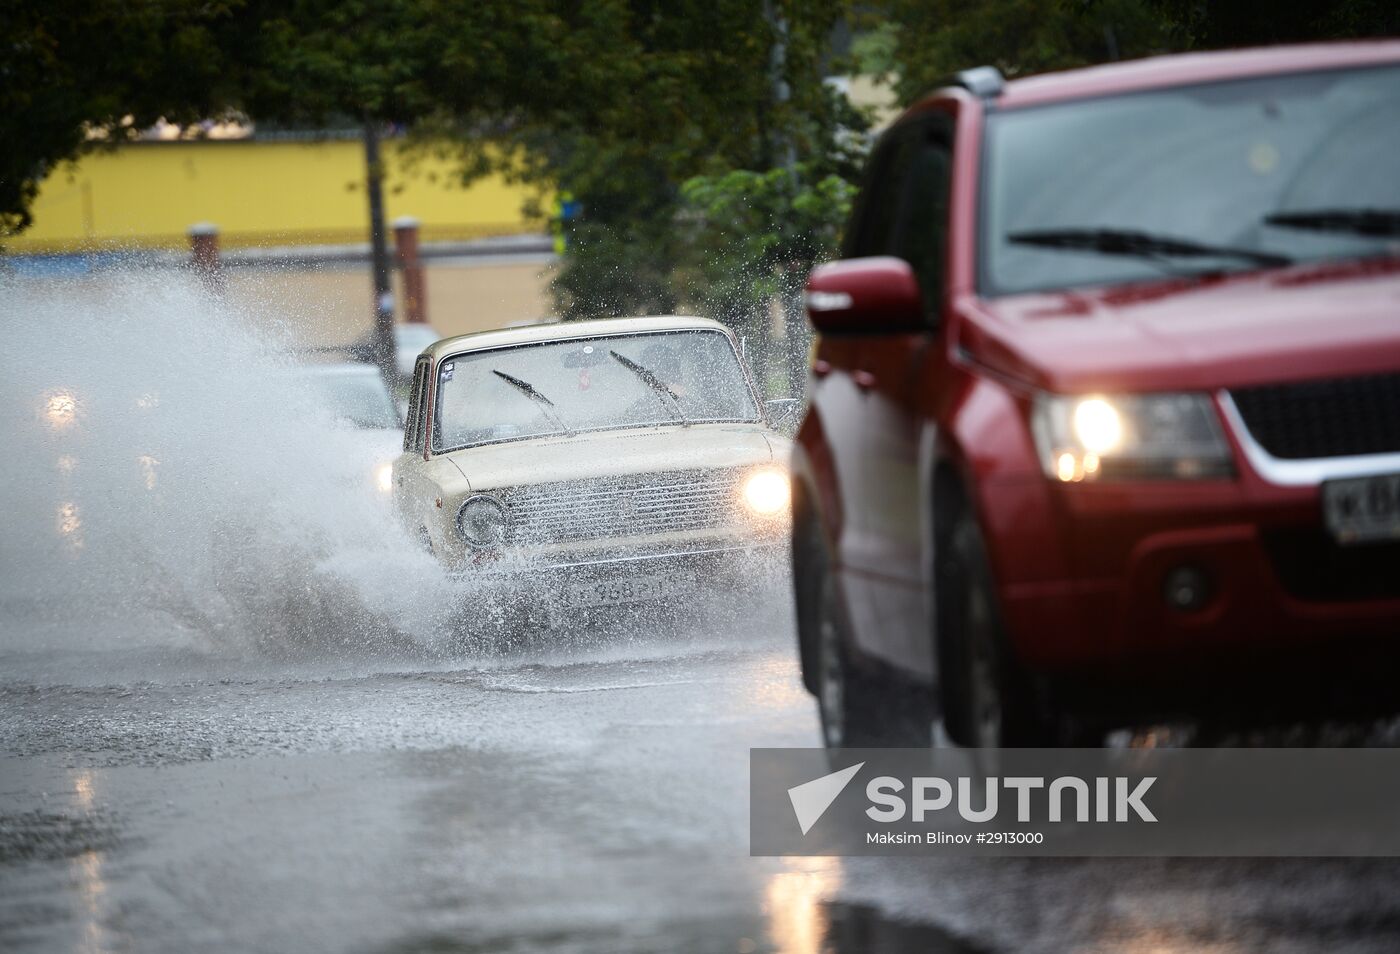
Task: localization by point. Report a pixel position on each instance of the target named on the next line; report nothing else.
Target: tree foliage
(748, 240)
(696, 94)
(78, 71)
(924, 41)
(621, 99)
(1233, 23)
(753, 236)
(936, 38)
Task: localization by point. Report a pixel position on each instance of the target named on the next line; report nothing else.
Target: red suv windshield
(1228, 175)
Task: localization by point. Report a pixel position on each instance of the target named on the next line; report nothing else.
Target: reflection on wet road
(595, 801)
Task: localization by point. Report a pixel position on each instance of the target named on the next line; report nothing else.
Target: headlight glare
(1134, 436)
(484, 522)
(1097, 425)
(767, 492)
(384, 477)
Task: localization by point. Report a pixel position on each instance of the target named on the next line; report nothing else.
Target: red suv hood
(1318, 321)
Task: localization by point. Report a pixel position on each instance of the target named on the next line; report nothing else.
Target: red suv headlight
(1172, 436)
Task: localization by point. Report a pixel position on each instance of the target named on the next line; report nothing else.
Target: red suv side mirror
(865, 295)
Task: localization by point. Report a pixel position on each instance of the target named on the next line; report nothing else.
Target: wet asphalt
(174, 795)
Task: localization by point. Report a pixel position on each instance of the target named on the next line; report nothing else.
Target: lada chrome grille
(1337, 417)
(629, 506)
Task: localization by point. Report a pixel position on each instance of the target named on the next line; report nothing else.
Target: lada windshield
(589, 384)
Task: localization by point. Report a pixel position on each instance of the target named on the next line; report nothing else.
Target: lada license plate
(1362, 509)
(633, 588)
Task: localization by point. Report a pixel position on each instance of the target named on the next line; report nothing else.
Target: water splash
(164, 479)
(166, 483)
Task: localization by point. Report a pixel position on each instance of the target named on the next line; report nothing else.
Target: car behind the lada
(1105, 419)
(574, 467)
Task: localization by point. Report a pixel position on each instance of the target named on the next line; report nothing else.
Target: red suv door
(906, 370)
(874, 396)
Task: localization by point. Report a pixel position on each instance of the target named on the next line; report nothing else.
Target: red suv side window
(873, 229)
(905, 211)
(922, 240)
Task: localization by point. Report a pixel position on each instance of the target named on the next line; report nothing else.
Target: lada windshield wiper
(1381, 223)
(670, 399)
(1140, 245)
(546, 405)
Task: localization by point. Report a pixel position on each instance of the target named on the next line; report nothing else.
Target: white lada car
(566, 467)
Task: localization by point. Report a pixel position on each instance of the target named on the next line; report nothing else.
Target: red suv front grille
(1339, 417)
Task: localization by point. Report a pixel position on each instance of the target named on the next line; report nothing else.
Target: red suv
(1105, 410)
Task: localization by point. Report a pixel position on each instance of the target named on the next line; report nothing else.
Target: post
(791, 323)
(379, 256)
(204, 254)
(797, 338)
(415, 293)
(782, 92)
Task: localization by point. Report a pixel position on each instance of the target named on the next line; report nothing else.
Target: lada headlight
(1129, 436)
(767, 492)
(384, 477)
(484, 522)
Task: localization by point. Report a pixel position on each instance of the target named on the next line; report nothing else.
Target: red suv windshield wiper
(1140, 245)
(1382, 223)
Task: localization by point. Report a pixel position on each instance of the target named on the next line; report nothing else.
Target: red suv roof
(1187, 68)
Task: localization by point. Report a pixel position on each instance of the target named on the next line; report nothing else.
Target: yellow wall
(257, 193)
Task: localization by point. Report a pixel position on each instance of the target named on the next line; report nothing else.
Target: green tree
(691, 88)
(749, 240)
(1232, 23)
(77, 73)
(81, 72)
(936, 38)
(376, 62)
(618, 101)
(924, 41)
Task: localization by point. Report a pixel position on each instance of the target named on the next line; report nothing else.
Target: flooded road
(295, 756)
(594, 800)
(568, 805)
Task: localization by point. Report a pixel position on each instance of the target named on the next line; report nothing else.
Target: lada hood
(1327, 320)
(615, 453)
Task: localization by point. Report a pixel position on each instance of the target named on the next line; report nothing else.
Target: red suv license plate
(1362, 509)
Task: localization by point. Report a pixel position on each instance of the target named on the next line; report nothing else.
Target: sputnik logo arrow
(810, 800)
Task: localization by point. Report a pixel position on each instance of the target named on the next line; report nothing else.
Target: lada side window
(413, 426)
